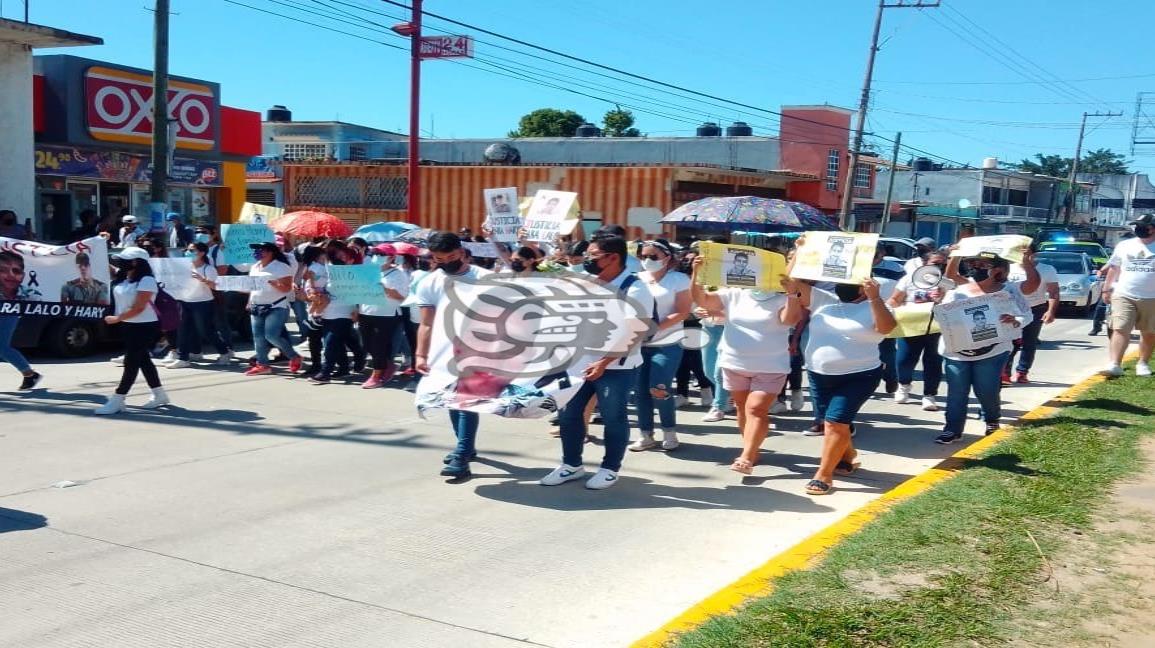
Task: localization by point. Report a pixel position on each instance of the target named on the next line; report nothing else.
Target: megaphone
(926, 277)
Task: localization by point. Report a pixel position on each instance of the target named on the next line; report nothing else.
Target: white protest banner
(481, 250)
(838, 257)
(239, 283)
(357, 284)
(1011, 247)
(501, 215)
(516, 346)
(54, 280)
(176, 276)
(254, 213)
(976, 322)
(548, 215)
(236, 238)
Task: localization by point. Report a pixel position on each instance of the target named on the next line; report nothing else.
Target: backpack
(167, 309)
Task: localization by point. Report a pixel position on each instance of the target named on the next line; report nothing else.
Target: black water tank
(502, 153)
(709, 129)
(278, 114)
(739, 129)
(923, 164)
(588, 130)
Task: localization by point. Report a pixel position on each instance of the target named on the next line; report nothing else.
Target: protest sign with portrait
(740, 266)
(254, 213)
(837, 257)
(237, 237)
(549, 215)
(1011, 247)
(54, 280)
(501, 215)
(976, 322)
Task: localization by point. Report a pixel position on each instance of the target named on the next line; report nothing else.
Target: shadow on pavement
(14, 520)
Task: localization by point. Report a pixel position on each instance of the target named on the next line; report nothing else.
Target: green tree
(1098, 161)
(1052, 165)
(619, 123)
(548, 122)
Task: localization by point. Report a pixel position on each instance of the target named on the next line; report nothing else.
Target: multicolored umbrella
(752, 212)
(312, 224)
(383, 232)
(416, 236)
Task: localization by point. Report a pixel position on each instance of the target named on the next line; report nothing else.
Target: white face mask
(653, 265)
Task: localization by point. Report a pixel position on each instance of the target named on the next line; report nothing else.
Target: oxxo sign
(119, 109)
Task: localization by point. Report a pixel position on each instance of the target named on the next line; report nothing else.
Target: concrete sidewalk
(272, 512)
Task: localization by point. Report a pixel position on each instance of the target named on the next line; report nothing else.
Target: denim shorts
(837, 399)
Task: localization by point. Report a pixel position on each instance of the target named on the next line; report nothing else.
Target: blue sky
(953, 89)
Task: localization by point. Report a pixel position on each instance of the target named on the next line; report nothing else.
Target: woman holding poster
(11, 289)
(198, 319)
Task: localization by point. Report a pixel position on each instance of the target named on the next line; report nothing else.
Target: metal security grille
(261, 197)
(386, 193)
(350, 192)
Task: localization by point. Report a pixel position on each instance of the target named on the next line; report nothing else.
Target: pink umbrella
(312, 224)
(407, 248)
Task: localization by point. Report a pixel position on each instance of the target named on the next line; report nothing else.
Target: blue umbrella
(382, 232)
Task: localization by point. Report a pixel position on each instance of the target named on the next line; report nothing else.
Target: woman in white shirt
(753, 354)
(337, 320)
(912, 349)
(845, 367)
(662, 354)
(269, 307)
(198, 320)
(133, 290)
(378, 322)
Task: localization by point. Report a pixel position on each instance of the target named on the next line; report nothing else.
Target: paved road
(272, 512)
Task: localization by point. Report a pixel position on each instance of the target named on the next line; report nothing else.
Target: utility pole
(890, 185)
(158, 187)
(412, 29)
(864, 100)
(1072, 187)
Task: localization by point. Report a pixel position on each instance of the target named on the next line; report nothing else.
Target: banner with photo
(254, 213)
(501, 214)
(914, 320)
(357, 284)
(740, 266)
(1011, 247)
(976, 322)
(54, 280)
(549, 215)
(837, 257)
(236, 239)
(176, 276)
(517, 346)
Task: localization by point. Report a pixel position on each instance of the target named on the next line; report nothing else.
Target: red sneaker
(295, 365)
(1005, 379)
(259, 370)
(373, 383)
(1022, 378)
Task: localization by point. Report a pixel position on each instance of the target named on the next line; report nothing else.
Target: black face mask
(452, 267)
(517, 266)
(847, 292)
(591, 266)
(1142, 231)
(978, 274)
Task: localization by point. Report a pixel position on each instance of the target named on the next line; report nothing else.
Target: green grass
(955, 565)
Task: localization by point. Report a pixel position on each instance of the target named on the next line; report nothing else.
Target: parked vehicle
(1098, 254)
(1079, 284)
(897, 249)
(68, 337)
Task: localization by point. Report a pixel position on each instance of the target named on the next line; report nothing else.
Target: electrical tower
(1143, 128)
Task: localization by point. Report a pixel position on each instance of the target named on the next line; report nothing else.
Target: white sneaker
(225, 358)
(714, 415)
(177, 364)
(118, 360)
(797, 400)
(1142, 369)
(1112, 371)
(159, 399)
(669, 439)
(602, 479)
(644, 442)
(113, 405)
(171, 357)
(196, 356)
(706, 397)
(779, 407)
(902, 394)
(681, 401)
(929, 404)
(562, 474)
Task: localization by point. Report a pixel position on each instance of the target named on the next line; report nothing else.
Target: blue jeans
(197, 323)
(300, 313)
(8, 353)
(268, 332)
(710, 362)
(465, 429)
(887, 353)
(1030, 341)
(837, 398)
(659, 364)
(924, 347)
(981, 375)
(612, 390)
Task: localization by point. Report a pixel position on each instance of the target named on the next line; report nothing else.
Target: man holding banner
(11, 288)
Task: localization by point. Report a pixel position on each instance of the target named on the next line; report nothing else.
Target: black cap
(271, 247)
(1145, 219)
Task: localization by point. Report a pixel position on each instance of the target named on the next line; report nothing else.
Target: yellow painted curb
(759, 582)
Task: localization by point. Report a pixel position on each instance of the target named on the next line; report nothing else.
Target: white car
(1079, 284)
(897, 249)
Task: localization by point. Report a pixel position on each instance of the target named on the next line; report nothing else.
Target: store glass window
(299, 151)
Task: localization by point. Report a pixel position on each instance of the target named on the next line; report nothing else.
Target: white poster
(501, 215)
(548, 215)
(239, 283)
(54, 280)
(839, 257)
(176, 276)
(976, 322)
(482, 250)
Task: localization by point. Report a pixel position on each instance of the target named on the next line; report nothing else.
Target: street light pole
(413, 203)
(158, 185)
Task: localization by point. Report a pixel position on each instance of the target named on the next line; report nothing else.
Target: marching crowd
(758, 344)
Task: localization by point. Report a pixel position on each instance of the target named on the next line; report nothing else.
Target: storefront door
(114, 199)
(85, 195)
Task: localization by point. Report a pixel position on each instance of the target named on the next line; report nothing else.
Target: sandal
(818, 487)
(847, 467)
(743, 466)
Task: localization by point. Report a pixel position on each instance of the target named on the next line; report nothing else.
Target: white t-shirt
(639, 290)
(842, 336)
(201, 292)
(633, 265)
(1047, 273)
(913, 263)
(1136, 262)
(124, 295)
(267, 294)
(410, 302)
(430, 293)
(916, 295)
(395, 279)
(754, 338)
(334, 309)
(665, 293)
(1021, 311)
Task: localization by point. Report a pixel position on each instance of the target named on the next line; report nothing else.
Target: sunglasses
(651, 257)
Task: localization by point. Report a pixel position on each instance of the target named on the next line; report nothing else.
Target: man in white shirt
(130, 232)
(1044, 304)
(1130, 286)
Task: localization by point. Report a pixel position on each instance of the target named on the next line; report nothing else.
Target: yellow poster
(914, 320)
(254, 213)
(838, 257)
(1011, 247)
(740, 266)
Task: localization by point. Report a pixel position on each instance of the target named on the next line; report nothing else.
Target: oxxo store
(93, 123)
